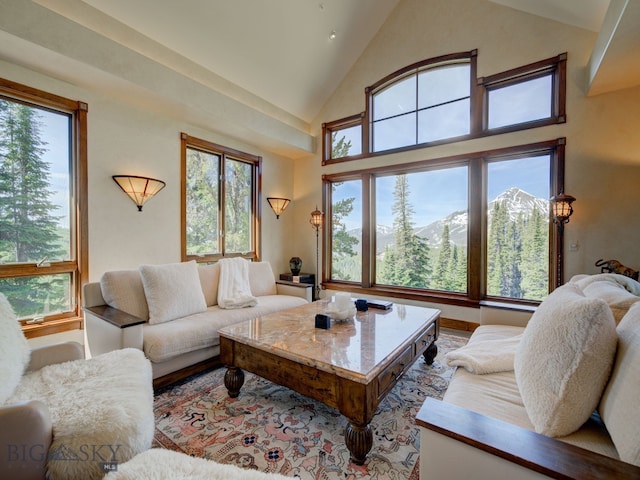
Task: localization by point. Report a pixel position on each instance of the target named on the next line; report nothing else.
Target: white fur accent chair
(64, 417)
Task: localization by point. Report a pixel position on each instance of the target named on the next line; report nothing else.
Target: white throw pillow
(261, 279)
(209, 281)
(14, 350)
(563, 361)
(173, 290)
(619, 406)
(122, 289)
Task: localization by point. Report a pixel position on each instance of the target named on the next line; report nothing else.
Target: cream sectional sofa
(171, 312)
(567, 408)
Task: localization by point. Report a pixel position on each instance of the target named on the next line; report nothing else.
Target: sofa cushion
(563, 361)
(209, 280)
(194, 332)
(619, 407)
(14, 350)
(122, 289)
(173, 290)
(261, 279)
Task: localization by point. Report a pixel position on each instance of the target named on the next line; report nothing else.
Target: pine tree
(407, 262)
(202, 202)
(504, 254)
(28, 227)
(342, 243)
(237, 218)
(535, 256)
(443, 278)
(459, 270)
(495, 248)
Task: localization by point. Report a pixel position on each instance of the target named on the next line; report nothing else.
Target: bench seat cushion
(167, 340)
(496, 395)
(619, 405)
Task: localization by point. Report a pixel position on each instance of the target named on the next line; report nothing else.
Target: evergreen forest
(29, 228)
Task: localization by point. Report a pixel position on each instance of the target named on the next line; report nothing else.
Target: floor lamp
(316, 222)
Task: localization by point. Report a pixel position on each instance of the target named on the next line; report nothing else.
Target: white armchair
(64, 417)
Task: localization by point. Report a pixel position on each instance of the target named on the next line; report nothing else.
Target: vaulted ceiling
(282, 58)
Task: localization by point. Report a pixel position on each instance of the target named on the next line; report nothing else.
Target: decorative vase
(295, 264)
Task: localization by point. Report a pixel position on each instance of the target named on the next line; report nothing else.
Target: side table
(308, 278)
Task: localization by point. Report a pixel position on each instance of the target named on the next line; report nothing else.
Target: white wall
(603, 146)
(128, 139)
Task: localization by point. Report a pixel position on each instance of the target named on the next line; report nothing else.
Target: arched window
(441, 100)
(429, 102)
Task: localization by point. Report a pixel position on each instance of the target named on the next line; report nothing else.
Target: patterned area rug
(273, 429)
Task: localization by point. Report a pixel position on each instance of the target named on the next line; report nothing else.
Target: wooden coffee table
(350, 367)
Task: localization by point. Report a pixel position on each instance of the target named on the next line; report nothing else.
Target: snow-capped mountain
(517, 201)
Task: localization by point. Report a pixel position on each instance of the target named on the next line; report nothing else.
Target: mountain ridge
(517, 200)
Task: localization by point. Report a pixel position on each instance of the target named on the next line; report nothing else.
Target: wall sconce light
(316, 220)
(561, 208)
(278, 205)
(139, 189)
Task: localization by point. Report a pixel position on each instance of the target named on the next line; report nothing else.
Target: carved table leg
(233, 380)
(359, 441)
(430, 353)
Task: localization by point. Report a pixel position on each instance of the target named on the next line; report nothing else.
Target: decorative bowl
(340, 315)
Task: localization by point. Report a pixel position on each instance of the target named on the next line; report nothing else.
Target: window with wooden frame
(43, 214)
(458, 229)
(440, 100)
(526, 97)
(220, 211)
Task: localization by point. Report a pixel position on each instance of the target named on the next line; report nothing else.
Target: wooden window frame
(329, 128)
(78, 268)
(187, 141)
(479, 88)
(477, 235)
(556, 67)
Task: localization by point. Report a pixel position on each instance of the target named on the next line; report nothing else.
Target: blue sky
(436, 194)
(55, 132)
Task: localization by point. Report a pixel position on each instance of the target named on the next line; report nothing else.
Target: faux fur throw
(101, 410)
(629, 284)
(158, 464)
(234, 290)
(487, 356)
(14, 350)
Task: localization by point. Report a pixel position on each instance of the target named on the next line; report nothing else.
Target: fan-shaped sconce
(139, 189)
(278, 204)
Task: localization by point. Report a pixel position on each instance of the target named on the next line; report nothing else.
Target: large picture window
(220, 199)
(409, 228)
(43, 254)
(421, 225)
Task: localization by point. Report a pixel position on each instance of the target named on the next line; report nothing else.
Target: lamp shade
(316, 218)
(278, 204)
(139, 189)
(561, 208)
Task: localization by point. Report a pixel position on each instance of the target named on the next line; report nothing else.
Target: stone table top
(354, 348)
